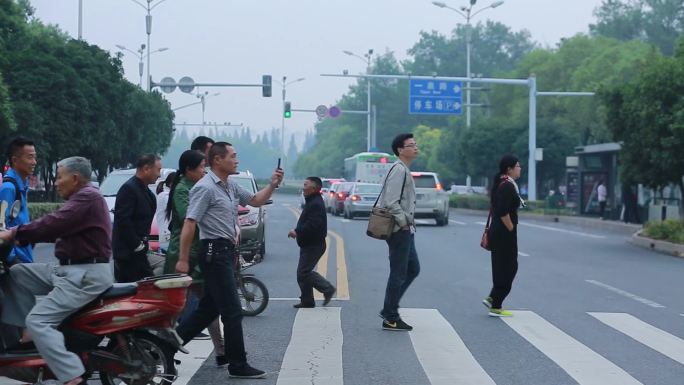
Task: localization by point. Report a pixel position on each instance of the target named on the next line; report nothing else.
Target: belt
(83, 261)
(219, 241)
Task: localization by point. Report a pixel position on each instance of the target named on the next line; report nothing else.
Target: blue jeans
(404, 268)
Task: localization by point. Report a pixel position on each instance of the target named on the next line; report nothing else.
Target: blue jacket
(23, 254)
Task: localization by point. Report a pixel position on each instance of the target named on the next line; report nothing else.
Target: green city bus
(368, 167)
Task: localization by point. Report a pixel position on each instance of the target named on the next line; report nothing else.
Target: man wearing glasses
(399, 196)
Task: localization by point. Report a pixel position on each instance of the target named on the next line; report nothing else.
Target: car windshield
(424, 181)
(245, 183)
(368, 189)
(111, 185)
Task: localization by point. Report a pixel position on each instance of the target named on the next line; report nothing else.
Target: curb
(623, 228)
(664, 247)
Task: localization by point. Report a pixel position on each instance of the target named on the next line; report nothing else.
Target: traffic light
(287, 110)
(266, 86)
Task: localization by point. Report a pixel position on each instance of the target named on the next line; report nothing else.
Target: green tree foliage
(70, 97)
(647, 116)
(7, 123)
(657, 22)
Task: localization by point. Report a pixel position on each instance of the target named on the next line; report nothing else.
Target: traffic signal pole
(530, 82)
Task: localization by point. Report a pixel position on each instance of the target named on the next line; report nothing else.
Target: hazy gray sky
(229, 41)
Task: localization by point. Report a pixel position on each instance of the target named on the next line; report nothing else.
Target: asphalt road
(589, 309)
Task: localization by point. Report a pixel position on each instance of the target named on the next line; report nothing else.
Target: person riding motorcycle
(82, 232)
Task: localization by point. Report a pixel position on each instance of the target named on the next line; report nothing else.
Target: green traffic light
(288, 114)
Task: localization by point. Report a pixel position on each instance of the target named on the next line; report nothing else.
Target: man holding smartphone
(213, 205)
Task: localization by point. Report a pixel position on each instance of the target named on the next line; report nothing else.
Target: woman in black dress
(503, 233)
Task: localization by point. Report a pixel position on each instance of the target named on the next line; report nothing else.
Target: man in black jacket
(310, 233)
(133, 212)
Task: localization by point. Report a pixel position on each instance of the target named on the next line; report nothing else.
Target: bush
(473, 202)
(38, 209)
(481, 202)
(669, 230)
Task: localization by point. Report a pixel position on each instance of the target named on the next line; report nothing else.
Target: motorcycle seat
(120, 290)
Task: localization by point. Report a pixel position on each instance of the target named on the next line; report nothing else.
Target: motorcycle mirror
(3, 209)
(16, 208)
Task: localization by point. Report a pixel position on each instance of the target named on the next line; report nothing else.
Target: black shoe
(398, 325)
(328, 296)
(245, 371)
(202, 336)
(303, 305)
(221, 361)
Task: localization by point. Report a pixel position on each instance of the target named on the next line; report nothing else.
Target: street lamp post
(367, 59)
(148, 27)
(284, 84)
(140, 54)
(466, 12)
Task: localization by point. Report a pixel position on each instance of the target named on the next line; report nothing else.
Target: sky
(230, 41)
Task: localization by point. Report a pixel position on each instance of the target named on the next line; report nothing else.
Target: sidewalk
(616, 226)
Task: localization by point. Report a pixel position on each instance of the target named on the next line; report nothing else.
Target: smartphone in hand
(278, 167)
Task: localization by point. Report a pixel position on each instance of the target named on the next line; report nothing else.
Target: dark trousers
(132, 269)
(504, 268)
(602, 209)
(307, 278)
(404, 268)
(220, 298)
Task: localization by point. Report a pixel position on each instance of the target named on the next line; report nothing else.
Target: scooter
(125, 336)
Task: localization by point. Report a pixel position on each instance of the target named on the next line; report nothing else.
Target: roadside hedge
(669, 230)
(38, 209)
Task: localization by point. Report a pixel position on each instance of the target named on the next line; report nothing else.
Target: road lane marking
(344, 220)
(287, 299)
(441, 352)
(581, 363)
(656, 339)
(562, 230)
(340, 257)
(457, 222)
(520, 253)
(481, 223)
(199, 351)
(626, 294)
(314, 354)
(285, 204)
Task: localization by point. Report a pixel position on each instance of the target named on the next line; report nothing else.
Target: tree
(647, 116)
(658, 22)
(7, 122)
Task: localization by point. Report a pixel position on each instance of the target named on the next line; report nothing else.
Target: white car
(431, 199)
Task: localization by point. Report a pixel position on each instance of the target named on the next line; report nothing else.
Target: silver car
(360, 200)
(431, 199)
(252, 222)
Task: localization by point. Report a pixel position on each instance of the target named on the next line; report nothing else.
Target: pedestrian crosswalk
(315, 355)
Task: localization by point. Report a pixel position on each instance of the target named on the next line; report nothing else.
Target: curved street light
(284, 85)
(148, 27)
(467, 13)
(140, 55)
(366, 58)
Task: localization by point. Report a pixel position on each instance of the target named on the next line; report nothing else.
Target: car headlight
(250, 219)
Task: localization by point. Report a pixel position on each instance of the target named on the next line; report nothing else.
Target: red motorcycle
(126, 335)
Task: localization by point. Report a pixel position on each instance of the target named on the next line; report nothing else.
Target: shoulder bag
(381, 221)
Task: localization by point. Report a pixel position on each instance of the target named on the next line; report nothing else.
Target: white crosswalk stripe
(314, 355)
(445, 358)
(656, 339)
(583, 364)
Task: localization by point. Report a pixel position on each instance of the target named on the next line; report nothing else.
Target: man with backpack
(21, 157)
